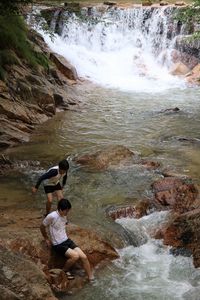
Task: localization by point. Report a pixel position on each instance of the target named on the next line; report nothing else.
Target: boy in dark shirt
(54, 180)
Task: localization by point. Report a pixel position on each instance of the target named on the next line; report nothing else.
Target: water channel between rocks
(124, 111)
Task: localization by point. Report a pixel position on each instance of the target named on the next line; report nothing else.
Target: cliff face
(29, 97)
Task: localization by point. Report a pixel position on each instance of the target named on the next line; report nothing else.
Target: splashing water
(124, 49)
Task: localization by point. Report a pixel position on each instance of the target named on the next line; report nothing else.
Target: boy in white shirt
(55, 222)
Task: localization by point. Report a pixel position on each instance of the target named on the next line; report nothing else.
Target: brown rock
(164, 3)
(175, 193)
(187, 59)
(44, 99)
(21, 279)
(179, 69)
(110, 156)
(183, 232)
(150, 165)
(194, 75)
(180, 3)
(64, 66)
(131, 211)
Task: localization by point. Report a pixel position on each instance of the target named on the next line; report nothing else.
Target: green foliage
(189, 14)
(15, 44)
(8, 57)
(12, 7)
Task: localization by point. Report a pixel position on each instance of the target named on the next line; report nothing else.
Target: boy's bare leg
(59, 195)
(48, 203)
(72, 256)
(85, 262)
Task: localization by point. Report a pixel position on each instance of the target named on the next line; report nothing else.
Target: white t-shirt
(56, 225)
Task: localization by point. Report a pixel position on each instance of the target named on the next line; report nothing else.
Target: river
(123, 102)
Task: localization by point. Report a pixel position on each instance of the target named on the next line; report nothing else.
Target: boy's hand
(34, 190)
(48, 243)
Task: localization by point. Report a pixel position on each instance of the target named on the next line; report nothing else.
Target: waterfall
(129, 49)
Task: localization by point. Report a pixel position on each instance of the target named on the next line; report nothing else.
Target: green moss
(15, 44)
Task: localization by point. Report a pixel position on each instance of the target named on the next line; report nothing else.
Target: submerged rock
(110, 156)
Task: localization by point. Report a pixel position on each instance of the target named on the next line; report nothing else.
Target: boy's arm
(45, 235)
(64, 179)
(51, 173)
(43, 229)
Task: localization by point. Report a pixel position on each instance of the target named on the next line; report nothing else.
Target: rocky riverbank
(28, 97)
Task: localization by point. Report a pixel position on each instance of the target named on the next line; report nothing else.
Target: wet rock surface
(137, 211)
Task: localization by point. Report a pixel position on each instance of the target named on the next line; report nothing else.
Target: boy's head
(64, 205)
(63, 166)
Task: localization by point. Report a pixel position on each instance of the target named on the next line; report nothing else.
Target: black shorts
(52, 188)
(63, 247)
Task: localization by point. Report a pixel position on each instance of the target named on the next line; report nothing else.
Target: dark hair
(64, 204)
(63, 165)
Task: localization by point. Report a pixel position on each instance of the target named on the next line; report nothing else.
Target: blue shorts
(64, 246)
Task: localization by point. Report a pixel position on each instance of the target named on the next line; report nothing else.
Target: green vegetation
(10, 7)
(15, 45)
(190, 14)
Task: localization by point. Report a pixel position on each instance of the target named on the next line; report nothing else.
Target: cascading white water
(127, 49)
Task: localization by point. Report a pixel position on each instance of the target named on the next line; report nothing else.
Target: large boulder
(64, 66)
(175, 193)
(183, 232)
(110, 156)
